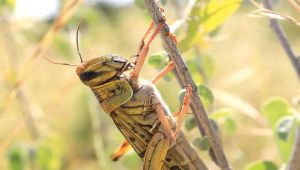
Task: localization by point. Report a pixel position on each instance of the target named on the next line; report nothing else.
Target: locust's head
(99, 70)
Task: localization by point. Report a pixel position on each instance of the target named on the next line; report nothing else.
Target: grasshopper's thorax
(104, 75)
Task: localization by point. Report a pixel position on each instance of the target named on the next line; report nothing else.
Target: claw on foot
(189, 89)
(173, 37)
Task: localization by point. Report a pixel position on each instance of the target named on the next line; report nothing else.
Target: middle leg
(163, 72)
(183, 110)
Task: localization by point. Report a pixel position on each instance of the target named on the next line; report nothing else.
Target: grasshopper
(138, 110)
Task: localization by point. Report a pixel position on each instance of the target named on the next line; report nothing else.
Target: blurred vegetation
(244, 79)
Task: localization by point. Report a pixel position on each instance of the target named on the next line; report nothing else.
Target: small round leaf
(284, 127)
(190, 123)
(262, 165)
(205, 93)
(15, 158)
(274, 109)
(158, 60)
(202, 143)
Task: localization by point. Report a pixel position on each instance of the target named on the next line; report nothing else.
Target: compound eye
(86, 76)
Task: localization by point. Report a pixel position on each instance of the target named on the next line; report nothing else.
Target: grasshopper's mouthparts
(80, 68)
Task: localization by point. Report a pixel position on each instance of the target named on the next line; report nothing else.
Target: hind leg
(123, 148)
(156, 152)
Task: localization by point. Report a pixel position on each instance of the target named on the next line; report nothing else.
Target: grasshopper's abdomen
(134, 113)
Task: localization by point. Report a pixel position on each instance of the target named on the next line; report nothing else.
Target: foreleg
(142, 43)
(142, 56)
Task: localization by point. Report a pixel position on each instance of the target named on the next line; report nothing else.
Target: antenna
(77, 44)
(53, 62)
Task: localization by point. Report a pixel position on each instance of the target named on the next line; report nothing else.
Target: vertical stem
(97, 137)
(39, 51)
(28, 114)
(294, 162)
(294, 59)
(185, 77)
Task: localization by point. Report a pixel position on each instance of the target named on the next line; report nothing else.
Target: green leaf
(284, 132)
(7, 3)
(284, 127)
(205, 17)
(196, 69)
(221, 114)
(274, 109)
(44, 154)
(44, 157)
(202, 143)
(158, 60)
(230, 125)
(190, 123)
(192, 27)
(216, 12)
(262, 165)
(224, 117)
(15, 158)
(206, 94)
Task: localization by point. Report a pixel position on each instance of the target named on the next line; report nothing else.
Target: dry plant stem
(295, 5)
(60, 21)
(98, 140)
(200, 113)
(294, 162)
(13, 56)
(28, 114)
(295, 60)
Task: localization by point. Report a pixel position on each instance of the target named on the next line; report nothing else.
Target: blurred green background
(52, 121)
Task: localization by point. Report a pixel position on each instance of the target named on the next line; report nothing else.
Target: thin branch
(58, 24)
(294, 162)
(295, 5)
(28, 111)
(262, 11)
(185, 77)
(26, 106)
(102, 161)
(283, 40)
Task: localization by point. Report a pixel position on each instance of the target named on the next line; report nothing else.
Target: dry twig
(294, 162)
(185, 77)
(283, 40)
(295, 5)
(64, 16)
(28, 111)
(262, 11)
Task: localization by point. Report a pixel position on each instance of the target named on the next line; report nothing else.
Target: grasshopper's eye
(86, 76)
